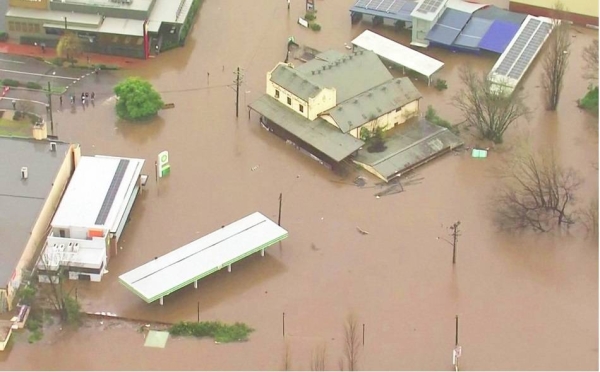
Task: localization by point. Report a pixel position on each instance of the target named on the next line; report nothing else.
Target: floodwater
(525, 302)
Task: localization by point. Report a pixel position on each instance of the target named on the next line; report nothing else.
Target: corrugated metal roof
(167, 11)
(122, 26)
(295, 82)
(350, 74)
(464, 6)
(407, 146)
(391, 9)
(54, 16)
(448, 27)
(317, 133)
(474, 31)
(370, 105)
(494, 13)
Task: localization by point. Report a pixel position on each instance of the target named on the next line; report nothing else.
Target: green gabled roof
(350, 74)
(317, 133)
(295, 82)
(367, 106)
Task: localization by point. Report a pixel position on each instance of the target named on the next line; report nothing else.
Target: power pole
(455, 235)
(238, 82)
(50, 109)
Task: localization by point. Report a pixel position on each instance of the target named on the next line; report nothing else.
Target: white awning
(398, 53)
(202, 257)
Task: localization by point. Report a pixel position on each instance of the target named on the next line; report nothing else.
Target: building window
(61, 232)
(18, 26)
(115, 39)
(289, 101)
(24, 26)
(301, 107)
(37, 28)
(276, 93)
(140, 40)
(31, 28)
(11, 26)
(127, 39)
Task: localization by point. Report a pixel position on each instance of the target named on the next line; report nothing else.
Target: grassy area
(590, 101)
(15, 128)
(219, 331)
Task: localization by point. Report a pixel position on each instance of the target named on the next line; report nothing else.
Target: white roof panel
(88, 188)
(398, 53)
(202, 257)
(122, 26)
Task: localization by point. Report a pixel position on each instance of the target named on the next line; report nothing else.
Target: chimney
(24, 173)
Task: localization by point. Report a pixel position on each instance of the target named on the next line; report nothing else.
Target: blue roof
(474, 31)
(392, 9)
(499, 36)
(448, 27)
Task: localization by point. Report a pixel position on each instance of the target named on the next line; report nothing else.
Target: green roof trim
(318, 133)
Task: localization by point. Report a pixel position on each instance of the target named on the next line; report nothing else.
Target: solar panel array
(524, 48)
(430, 6)
(112, 191)
(388, 6)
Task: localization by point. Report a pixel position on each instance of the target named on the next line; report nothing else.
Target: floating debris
(363, 232)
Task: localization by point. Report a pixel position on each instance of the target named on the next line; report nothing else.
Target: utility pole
(280, 201)
(50, 109)
(456, 353)
(65, 23)
(455, 235)
(238, 82)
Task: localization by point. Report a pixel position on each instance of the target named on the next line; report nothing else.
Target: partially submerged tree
(351, 342)
(69, 46)
(137, 99)
(536, 192)
(589, 216)
(590, 56)
(487, 107)
(319, 354)
(556, 58)
(55, 293)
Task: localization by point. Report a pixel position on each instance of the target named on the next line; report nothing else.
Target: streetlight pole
(455, 234)
(65, 23)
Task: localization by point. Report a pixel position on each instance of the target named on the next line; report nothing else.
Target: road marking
(8, 60)
(44, 75)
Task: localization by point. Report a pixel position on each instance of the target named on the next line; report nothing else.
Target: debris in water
(254, 168)
(360, 181)
(363, 232)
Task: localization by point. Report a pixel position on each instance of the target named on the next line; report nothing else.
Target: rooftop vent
(52, 146)
(313, 72)
(24, 173)
(324, 67)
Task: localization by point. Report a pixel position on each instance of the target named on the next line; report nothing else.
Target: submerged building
(330, 106)
(34, 176)
(90, 219)
(130, 28)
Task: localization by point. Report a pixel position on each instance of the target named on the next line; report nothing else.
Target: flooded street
(525, 302)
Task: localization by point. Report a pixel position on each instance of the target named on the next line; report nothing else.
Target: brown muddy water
(526, 302)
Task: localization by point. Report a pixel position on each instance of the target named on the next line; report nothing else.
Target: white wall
(391, 119)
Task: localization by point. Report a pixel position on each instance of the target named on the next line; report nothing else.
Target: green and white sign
(164, 168)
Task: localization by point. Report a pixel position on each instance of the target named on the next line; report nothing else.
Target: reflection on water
(525, 302)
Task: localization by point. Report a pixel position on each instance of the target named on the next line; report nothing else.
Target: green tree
(69, 46)
(137, 99)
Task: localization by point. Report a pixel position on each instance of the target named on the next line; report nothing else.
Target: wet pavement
(526, 301)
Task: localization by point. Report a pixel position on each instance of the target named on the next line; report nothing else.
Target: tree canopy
(137, 99)
(68, 46)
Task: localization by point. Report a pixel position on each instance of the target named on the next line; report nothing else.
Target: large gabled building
(329, 105)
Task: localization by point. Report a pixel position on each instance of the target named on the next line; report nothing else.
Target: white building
(92, 214)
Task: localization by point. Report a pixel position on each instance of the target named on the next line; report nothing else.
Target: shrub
(10, 83)
(590, 101)
(33, 85)
(3, 36)
(57, 61)
(18, 115)
(310, 16)
(376, 142)
(315, 26)
(220, 332)
(431, 116)
(73, 309)
(441, 84)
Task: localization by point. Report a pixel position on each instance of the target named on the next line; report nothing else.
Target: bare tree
(287, 357)
(486, 108)
(352, 342)
(59, 298)
(556, 58)
(590, 56)
(589, 216)
(319, 354)
(537, 192)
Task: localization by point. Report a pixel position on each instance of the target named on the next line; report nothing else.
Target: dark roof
(295, 82)
(498, 36)
(494, 13)
(409, 145)
(373, 103)
(474, 31)
(391, 9)
(317, 133)
(21, 201)
(350, 74)
(447, 28)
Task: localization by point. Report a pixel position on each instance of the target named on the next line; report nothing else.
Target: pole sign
(310, 5)
(164, 168)
(455, 355)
